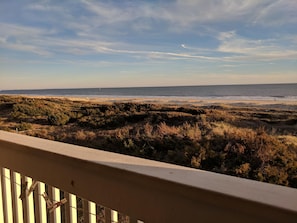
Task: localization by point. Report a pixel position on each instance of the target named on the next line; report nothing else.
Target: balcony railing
(106, 187)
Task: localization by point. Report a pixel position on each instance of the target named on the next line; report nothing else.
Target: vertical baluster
(6, 196)
(31, 203)
(17, 206)
(1, 198)
(54, 194)
(89, 209)
(92, 212)
(40, 204)
(73, 210)
(28, 202)
(70, 208)
(114, 216)
(111, 216)
(50, 195)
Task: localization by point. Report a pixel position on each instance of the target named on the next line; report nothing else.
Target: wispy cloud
(41, 42)
(184, 14)
(22, 38)
(277, 13)
(255, 49)
(184, 33)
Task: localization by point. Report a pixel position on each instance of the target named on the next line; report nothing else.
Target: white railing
(144, 190)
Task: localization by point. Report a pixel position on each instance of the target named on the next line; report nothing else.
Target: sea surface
(274, 92)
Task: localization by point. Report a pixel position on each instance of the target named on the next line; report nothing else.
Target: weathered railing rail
(144, 190)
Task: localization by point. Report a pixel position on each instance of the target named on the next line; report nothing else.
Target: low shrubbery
(58, 119)
(235, 141)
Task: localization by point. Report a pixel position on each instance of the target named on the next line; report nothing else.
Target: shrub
(58, 119)
(243, 170)
(80, 135)
(148, 129)
(24, 126)
(192, 132)
(164, 129)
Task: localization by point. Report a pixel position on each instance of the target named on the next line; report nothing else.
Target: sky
(126, 43)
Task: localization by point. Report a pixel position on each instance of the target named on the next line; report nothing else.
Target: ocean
(274, 92)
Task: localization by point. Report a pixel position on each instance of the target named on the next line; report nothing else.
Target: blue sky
(84, 43)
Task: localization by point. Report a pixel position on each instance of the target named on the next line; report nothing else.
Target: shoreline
(170, 100)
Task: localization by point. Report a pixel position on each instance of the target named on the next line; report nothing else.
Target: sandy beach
(264, 103)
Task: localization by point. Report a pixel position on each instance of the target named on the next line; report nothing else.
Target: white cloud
(196, 16)
(22, 38)
(277, 13)
(248, 12)
(254, 49)
(44, 42)
(98, 32)
(7, 29)
(110, 13)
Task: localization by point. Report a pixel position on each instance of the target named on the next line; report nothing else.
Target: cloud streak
(243, 48)
(182, 33)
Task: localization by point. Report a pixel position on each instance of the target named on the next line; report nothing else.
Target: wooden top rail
(147, 190)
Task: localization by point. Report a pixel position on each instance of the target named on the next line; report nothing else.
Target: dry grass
(257, 143)
(289, 139)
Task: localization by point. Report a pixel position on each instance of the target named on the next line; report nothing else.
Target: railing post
(92, 212)
(15, 179)
(70, 208)
(89, 211)
(114, 216)
(54, 194)
(6, 196)
(1, 199)
(40, 204)
(27, 201)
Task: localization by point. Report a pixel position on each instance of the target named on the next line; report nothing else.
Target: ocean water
(232, 92)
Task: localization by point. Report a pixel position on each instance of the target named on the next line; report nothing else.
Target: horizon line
(158, 86)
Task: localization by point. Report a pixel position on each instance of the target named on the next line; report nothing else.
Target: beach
(255, 139)
(245, 102)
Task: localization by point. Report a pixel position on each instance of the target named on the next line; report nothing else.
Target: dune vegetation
(258, 143)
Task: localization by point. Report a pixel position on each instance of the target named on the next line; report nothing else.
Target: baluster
(6, 196)
(92, 212)
(40, 204)
(17, 206)
(89, 211)
(54, 195)
(3, 203)
(70, 208)
(1, 200)
(114, 216)
(27, 201)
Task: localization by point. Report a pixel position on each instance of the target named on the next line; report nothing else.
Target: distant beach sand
(269, 104)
